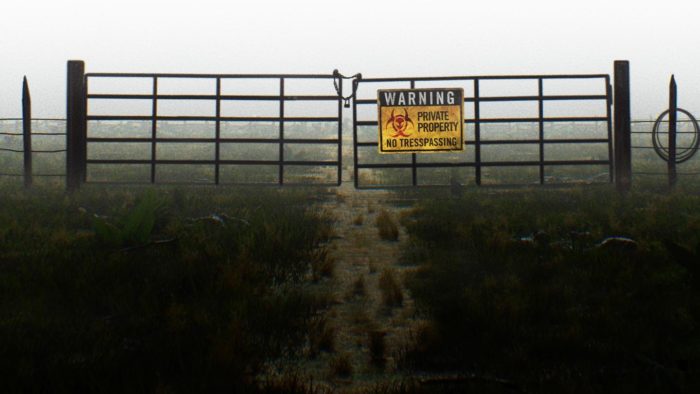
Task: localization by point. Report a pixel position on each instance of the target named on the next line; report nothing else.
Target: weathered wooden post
(622, 126)
(672, 128)
(76, 125)
(27, 133)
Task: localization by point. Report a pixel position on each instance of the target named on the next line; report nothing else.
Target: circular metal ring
(683, 154)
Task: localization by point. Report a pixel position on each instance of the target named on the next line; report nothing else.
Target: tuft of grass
(372, 266)
(388, 228)
(392, 295)
(359, 289)
(341, 366)
(322, 264)
(358, 220)
(321, 336)
(377, 347)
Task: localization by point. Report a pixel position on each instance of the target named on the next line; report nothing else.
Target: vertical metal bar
(477, 133)
(340, 134)
(672, 127)
(75, 123)
(27, 133)
(354, 136)
(154, 129)
(281, 126)
(540, 94)
(217, 146)
(623, 126)
(414, 169)
(608, 115)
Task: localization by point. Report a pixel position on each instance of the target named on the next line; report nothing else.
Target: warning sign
(421, 120)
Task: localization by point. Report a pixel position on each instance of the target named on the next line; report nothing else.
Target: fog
(377, 38)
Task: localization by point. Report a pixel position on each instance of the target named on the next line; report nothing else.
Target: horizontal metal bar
(512, 120)
(211, 140)
(485, 77)
(221, 162)
(211, 97)
(212, 183)
(534, 120)
(43, 134)
(545, 141)
(11, 150)
(208, 76)
(17, 175)
(515, 142)
(49, 175)
(48, 151)
(211, 118)
(514, 98)
(487, 164)
(35, 119)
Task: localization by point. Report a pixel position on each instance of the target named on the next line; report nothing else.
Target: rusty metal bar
(540, 110)
(154, 129)
(217, 146)
(414, 168)
(281, 135)
(477, 134)
(340, 133)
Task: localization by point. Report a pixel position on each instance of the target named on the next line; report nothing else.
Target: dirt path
(359, 316)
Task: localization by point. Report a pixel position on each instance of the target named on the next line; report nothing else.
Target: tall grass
(83, 311)
(562, 315)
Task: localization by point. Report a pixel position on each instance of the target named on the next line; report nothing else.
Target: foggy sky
(377, 38)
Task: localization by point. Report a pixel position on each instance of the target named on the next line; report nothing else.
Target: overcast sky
(377, 38)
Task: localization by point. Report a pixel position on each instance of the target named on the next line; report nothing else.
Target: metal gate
(208, 136)
(483, 135)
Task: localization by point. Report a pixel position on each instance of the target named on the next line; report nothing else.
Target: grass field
(196, 288)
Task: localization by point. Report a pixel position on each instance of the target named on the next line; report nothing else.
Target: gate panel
(213, 137)
(541, 122)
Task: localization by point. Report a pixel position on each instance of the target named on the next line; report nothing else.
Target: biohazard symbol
(400, 123)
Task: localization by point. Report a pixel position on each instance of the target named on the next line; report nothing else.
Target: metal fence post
(76, 125)
(672, 127)
(27, 133)
(623, 126)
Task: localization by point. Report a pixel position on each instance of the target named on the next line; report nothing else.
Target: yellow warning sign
(421, 120)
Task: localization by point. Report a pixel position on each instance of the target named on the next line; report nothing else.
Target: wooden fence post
(672, 128)
(27, 133)
(623, 126)
(76, 125)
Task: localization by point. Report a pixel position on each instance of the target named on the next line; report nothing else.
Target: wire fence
(13, 143)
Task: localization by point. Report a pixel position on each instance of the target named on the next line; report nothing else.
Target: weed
(359, 288)
(321, 336)
(377, 347)
(372, 266)
(388, 229)
(322, 264)
(341, 366)
(389, 285)
(358, 220)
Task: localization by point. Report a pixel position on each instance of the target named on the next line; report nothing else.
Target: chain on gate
(337, 76)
